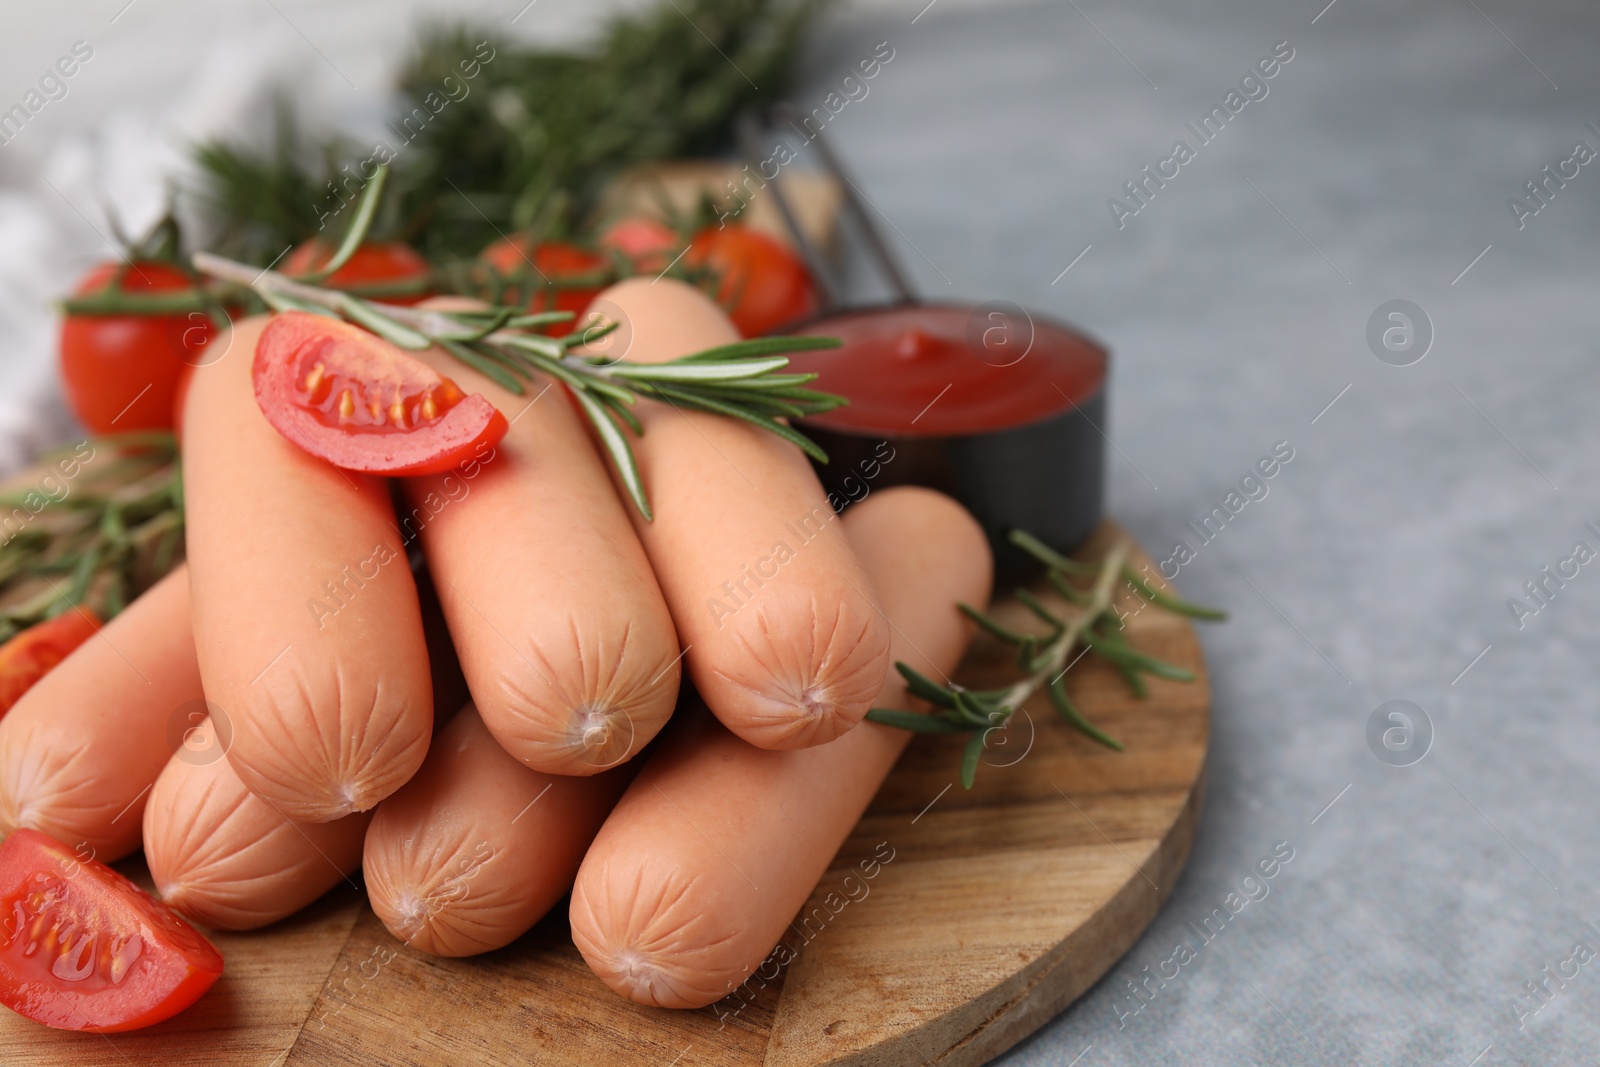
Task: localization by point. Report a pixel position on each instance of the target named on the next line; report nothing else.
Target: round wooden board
(999, 907)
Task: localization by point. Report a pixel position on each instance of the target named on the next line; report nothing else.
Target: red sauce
(949, 370)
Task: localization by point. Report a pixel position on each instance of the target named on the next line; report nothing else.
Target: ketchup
(938, 370)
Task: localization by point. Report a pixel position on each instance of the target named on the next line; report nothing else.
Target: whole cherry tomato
(648, 243)
(120, 371)
(560, 275)
(390, 272)
(762, 284)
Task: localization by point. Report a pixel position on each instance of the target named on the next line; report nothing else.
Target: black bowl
(1045, 475)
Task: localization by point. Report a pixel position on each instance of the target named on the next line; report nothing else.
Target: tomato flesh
(363, 391)
(83, 948)
(373, 265)
(120, 371)
(34, 652)
(762, 284)
(354, 399)
(564, 277)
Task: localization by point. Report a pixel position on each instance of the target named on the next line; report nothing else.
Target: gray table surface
(1381, 562)
(1378, 567)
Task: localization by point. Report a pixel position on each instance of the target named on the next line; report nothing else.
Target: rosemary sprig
(1044, 658)
(739, 380)
(528, 139)
(97, 536)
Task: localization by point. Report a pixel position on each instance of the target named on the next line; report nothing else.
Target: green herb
(98, 537)
(739, 380)
(258, 207)
(534, 139)
(1045, 657)
(162, 244)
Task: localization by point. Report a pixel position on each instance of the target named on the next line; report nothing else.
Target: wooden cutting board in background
(999, 907)
(678, 187)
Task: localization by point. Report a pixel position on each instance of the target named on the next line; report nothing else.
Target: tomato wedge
(32, 654)
(357, 401)
(83, 948)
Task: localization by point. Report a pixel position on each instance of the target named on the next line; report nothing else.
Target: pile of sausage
(296, 626)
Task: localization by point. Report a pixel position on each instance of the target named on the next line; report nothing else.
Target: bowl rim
(1098, 347)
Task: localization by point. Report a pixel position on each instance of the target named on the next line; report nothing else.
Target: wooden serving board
(999, 907)
(679, 185)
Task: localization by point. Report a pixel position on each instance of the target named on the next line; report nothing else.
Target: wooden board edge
(1016, 1009)
(1058, 985)
(1055, 981)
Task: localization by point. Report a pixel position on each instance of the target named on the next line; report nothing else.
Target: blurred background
(1432, 477)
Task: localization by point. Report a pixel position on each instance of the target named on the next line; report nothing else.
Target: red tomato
(359, 402)
(120, 370)
(83, 948)
(373, 266)
(763, 284)
(564, 277)
(648, 243)
(32, 654)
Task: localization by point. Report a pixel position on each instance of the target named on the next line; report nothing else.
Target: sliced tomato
(120, 370)
(391, 272)
(648, 243)
(357, 401)
(762, 284)
(561, 276)
(83, 948)
(34, 652)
